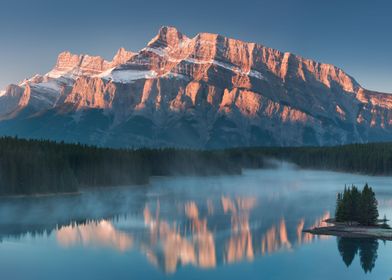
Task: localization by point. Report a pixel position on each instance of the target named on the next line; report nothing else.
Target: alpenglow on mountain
(203, 92)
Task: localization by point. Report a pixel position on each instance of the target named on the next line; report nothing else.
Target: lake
(246, 226)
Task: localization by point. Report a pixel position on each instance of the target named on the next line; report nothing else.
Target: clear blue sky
(352, 34)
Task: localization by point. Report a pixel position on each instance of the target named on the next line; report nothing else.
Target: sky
(354, 35)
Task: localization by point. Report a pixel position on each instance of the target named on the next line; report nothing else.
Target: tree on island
(357, 206)
(368, 207)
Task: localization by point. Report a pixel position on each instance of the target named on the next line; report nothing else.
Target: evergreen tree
(354, 211)
(368, 207)
(37, 166)
(346, 205)
(355, 206)
(339, 217)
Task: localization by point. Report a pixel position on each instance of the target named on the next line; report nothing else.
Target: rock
(208, 91)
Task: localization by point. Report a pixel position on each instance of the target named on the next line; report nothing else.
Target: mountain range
(208, 91)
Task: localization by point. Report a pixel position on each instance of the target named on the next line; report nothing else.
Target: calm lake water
(232, 227)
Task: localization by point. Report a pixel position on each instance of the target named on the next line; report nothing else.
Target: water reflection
(200, 222)
(170, 244)
(203, 234)
(98, 234)
(366, 248)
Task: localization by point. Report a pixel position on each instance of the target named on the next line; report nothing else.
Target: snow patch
(43, 98)
(68, 74)
(65, 81)
(256, 74)
(55, 74)
(175, 76)
(159, 51)
(128, 76)
(163, 53)
(235, 69)
(105, 73)
(49, 85)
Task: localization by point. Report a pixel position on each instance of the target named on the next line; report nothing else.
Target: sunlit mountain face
(208, 91)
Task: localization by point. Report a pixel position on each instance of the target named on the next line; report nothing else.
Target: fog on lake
(247, 225)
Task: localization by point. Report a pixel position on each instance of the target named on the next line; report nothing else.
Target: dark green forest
(370, 159)
(40, 167)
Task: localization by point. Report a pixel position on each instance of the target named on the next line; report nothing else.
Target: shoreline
(351, 231)
(39, 195)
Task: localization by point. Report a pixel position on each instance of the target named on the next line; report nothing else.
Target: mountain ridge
(208, 91)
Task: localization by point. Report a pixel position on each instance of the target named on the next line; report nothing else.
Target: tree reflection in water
(366, 247)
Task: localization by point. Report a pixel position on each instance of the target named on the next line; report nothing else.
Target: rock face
(203, 92)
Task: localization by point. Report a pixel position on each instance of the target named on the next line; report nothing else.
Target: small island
(356, 216)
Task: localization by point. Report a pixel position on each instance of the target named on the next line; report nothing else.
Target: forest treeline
(371, 158)
(39, 166)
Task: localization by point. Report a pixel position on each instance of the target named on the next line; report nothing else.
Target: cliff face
(207, 91)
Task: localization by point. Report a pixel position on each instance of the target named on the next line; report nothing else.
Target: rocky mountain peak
(67, 60)
(122, 56)
(208, 91)
(86, 64)
(167, 36)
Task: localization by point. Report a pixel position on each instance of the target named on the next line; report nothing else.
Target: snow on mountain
(127, 76)
(208, 91)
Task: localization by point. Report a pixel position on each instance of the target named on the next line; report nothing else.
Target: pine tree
(355, 206)
(368, 207)
(355, 197)
(339, 208)
(373, 211)
(346, 205)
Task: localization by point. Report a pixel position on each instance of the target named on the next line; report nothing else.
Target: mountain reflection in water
(204, 234)
(192, 227)
(99, 234)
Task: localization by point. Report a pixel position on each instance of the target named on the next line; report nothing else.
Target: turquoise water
(230, 227)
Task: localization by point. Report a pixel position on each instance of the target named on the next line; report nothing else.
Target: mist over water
(192, 228)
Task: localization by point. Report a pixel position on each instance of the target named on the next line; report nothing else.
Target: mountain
(203, 92)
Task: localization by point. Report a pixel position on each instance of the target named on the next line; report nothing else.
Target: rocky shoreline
(353, 231)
